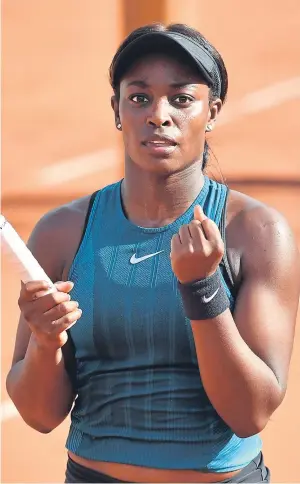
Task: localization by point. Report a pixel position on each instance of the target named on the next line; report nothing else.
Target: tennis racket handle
(22, 259)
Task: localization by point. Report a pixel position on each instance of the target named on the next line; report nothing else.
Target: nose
(159, 115)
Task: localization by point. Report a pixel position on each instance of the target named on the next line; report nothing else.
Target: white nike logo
(136, 260)
(210, 298)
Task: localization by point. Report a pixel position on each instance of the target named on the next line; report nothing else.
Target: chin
(160, 165)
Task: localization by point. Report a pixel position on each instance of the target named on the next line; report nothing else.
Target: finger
(33, 287)
(49, 301)
(184, 235)
(36, 308)
(211, 230)
(64, 286)
(197, 234)
(199, 214)
(66, 321)
(175, 244)
(60, 310)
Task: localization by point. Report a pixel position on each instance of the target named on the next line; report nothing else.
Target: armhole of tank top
(228, 275)
(86, 221)
(68, 349)
(87, 224)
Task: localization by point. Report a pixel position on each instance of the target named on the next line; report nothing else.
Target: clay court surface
(59, 142)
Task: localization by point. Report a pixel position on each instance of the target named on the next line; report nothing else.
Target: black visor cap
(160, 42)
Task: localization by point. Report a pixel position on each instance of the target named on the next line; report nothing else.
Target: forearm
(241, 387)
(40, 387)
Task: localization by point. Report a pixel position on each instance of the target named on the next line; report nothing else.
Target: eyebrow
(176, 85)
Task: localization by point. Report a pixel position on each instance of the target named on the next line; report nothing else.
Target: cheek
(194, 122)
(130, 123)
(131, 120)
(200, 112)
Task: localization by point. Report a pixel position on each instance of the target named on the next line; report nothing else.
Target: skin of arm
(38, 382)
(244, 358)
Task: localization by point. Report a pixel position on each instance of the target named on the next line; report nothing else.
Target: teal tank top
(140, 396)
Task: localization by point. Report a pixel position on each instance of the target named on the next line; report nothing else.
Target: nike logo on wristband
(210, 298)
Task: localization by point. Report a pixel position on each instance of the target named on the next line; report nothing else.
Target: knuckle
(27, 288)
(194, 224)
(70, 318)
(219, 242)
(219, 249)
(215, 228)
(62, 308)
(53, 328)
(59, 297)
(53, 299)
(218, 245)
(208, 224)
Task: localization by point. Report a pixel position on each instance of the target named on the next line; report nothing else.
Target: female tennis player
(179, 297)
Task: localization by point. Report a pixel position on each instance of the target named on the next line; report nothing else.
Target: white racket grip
(23, 261)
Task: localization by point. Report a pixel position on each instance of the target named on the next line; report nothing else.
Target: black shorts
(256, 471)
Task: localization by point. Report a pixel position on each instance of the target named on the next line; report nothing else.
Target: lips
(160, 143)
(157, 141)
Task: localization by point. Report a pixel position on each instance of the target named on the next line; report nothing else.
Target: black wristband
(204, 299)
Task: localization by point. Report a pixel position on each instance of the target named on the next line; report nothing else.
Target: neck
(151, 200)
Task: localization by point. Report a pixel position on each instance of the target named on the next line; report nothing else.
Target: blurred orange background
(59, 142)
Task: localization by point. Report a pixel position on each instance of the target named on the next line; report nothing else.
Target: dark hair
(190, 33)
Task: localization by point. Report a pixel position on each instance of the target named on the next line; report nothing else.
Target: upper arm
(43, 244)
(53, 242)
(268, 298)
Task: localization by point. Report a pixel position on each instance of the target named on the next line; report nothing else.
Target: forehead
(154, 68)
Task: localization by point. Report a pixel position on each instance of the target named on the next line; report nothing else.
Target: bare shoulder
(56, 236)
(259, 235)
(62, 218)
(249, 219)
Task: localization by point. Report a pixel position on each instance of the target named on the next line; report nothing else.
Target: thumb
(199, 214)
(64, 286)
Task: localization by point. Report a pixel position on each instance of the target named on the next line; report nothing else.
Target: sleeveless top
(140, 396)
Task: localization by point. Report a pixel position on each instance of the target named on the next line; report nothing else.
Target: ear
(115, 106)
(214, 109)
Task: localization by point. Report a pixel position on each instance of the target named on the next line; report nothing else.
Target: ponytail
(205, 155)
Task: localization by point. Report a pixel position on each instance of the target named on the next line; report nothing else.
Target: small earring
(209, 127)
(119, 126)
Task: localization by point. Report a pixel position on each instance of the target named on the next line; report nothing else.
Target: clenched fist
(197, 250)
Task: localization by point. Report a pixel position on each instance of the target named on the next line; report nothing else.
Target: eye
(138, 99)
(183, 99)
